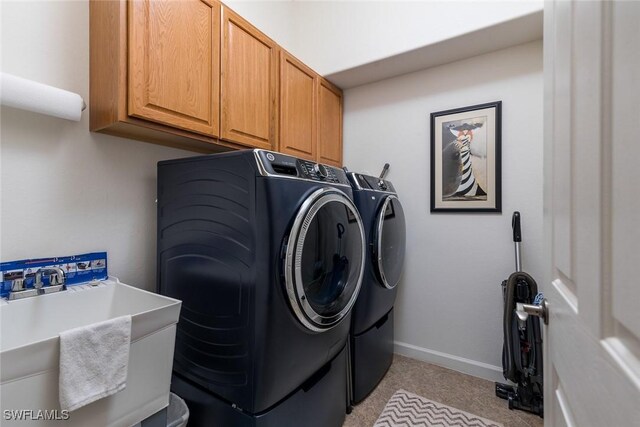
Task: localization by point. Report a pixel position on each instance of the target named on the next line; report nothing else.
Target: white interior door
(592, 213)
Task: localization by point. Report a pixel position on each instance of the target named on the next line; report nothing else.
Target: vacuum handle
(515, 224)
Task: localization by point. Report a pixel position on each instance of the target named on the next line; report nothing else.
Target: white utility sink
(29, 352)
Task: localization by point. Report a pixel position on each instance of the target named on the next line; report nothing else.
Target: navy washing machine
(266, 252)
(371, 338)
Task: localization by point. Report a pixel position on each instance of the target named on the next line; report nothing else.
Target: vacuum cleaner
(522, 349)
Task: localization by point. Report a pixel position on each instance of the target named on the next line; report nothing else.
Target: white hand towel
(93, 362)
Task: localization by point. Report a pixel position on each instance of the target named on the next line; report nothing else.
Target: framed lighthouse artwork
(465, 159)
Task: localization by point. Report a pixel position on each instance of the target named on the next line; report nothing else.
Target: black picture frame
(455, 185)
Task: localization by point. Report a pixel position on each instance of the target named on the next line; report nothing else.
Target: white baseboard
(460, 364)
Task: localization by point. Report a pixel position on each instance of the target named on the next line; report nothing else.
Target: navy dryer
(371, 338)
(266, 252)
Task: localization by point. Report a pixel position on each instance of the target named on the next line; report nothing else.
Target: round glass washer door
(389, 245)
(325, 258)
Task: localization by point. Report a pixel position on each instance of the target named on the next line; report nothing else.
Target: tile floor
(443, 385)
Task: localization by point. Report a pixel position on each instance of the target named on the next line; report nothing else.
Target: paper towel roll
(28, 95)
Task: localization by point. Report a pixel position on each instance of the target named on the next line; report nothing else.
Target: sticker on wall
(77, 269)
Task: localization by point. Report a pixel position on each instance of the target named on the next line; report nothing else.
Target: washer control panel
(282, 164)
(320, 172)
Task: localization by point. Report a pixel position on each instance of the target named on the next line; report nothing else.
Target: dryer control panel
(367, 182)
(277, 164)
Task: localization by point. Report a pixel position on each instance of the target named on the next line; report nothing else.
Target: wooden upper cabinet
(298, 106)
(174, 63)
(329, 123)
(195, 75)
(248, 84)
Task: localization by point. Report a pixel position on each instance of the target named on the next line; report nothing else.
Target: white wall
(66, 190)
(332, 36)
(449, 307)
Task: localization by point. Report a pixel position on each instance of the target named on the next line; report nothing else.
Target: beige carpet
(406, 409)
(451, 388)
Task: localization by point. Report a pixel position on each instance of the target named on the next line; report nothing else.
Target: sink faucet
(56, 283)
(56, 278)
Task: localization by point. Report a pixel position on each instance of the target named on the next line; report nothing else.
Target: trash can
(177, 415)
(177, 412)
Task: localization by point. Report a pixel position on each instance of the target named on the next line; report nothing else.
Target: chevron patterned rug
(406, 409)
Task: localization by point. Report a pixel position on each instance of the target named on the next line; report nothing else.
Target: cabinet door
(298, 96)
(174, 63)
(329, 124)
(248, 83)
